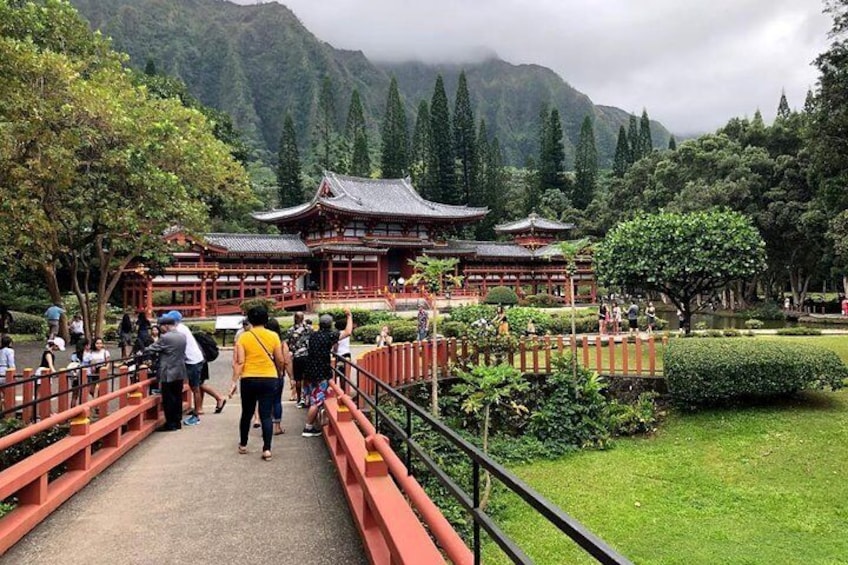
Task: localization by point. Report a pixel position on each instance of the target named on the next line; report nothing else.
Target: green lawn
(765, 485)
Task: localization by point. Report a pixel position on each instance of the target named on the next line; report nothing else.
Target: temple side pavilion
(346, 244)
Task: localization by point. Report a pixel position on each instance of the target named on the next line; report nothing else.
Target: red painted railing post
(123, 382)
(408, 369)
(64, 399)
(45, 389)
(10, 391)
(28, 396)
(652, 356)
(425, 360)
(103, 390)
(638, 355)
(416, 361)
(584, 343)
(522, 352)
(611, 346)
(598, 354)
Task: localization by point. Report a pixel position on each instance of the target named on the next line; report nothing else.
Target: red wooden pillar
(268, 286)
(416, 361)
(350, 272)
(241, 287)
(9, 392)
(28, 396)
(215, 295)
(203, 296)
(148, 307)
(330, 274)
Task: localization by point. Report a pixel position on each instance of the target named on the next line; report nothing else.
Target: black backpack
(207, 344)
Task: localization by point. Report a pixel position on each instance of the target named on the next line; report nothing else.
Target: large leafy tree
(290, 186)
(394, 156)
(443, 168)
(465, 140)
(585, 166)
(92, 167)
(681, 255)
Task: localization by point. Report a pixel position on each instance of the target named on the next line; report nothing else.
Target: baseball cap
(166, 321)
(175, 314)
(58, 342)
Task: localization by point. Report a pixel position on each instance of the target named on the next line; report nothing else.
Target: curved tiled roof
(532, 223)
(373, 197)
(287, 244)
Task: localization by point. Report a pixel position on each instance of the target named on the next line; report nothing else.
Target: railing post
(547, 351)
(9, 392)
(625, 344)
(522, 352)
(475, 480)
(45, 389)
(598, 353)
(123, 382)
(28, 396)
(64, 400)
(638, 355)
(652, 356)
(585, 344)
(416, 361)
(534, 343)
(611, 346)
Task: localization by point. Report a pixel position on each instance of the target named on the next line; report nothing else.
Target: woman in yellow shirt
(259, 359)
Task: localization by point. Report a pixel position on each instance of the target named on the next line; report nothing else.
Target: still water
(722, 322)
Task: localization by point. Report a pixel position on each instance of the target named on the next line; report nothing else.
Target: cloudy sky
(692, 63)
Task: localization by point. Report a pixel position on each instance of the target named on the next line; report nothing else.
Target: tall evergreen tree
(492, 182)
(783, 110)
(324, 139)
(672, 144)
(441, 147)
(150, 68)
(551, 154)
(394, 157)
(356, 138)
(585, 166)
(646, 142)
(465, 141)
(478, 195)
(288, 168)
(633, 139)
(621, 161)
(809, 103)
(421, 151)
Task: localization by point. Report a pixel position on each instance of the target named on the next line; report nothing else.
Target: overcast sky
(692, 63)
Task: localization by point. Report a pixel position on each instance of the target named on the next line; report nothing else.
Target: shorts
(299, 368)
(204, 372)
(193, 373)
(317, 393)
(125, 340)
(634, 324)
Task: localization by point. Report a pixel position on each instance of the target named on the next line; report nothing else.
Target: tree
(490, 186)
(435, 274)
(672, 144)
(356, 138)
(325, 135)
(621, 161)
(421, 144)
(570, 250)
(551, 152)
(633, 139)
(465, 140)
(394, 156)
(681, 255)
(585, 166)
(783, 110)
(290, 187)
(646, 143)
(441, 146)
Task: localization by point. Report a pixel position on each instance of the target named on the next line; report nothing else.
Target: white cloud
(692, 63)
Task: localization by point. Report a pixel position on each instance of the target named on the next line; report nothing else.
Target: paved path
(188, 497)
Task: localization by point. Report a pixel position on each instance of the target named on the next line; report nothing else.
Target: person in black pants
(171, 371)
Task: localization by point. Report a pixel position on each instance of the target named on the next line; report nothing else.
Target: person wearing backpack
(298, 339)
(209, 347)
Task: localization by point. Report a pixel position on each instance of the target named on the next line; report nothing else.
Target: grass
(757, 485)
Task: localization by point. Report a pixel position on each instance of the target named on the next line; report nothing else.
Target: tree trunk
(52, 282)
(845, 284)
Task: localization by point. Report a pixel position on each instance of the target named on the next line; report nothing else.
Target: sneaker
(301, 404)
(309, 431)
(191, 420)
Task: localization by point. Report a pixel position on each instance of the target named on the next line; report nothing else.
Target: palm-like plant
(569, 251)
(435, 274)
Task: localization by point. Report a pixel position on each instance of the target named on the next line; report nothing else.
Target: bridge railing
(90, 447)
(373, 392)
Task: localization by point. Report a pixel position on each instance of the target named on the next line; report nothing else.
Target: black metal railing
(38, 390)
(371, 392)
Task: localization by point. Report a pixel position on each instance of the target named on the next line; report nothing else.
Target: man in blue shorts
(319, 370)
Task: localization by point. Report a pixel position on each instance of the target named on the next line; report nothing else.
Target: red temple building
(351, 242)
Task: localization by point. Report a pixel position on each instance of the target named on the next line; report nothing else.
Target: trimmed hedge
(501, 295)
(28, 324)
(544, 300)
(361, 317)
(401, 330)
(472, 312)
(799, 330)
(701, 372)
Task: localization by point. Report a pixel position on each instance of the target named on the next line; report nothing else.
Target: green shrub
(730, 332)
(702, 326)
(765, 311)
(711, 333)
(637, 418)
(453, 329)
(266, 303)
(701, 372)
(470, 313)
(501, 295)
(208, 327)
(28, 324)
(401, 330)
(361, 317)
(34, 444)
(799, 330)
(519, 316)
(753, 324)
(543, 300)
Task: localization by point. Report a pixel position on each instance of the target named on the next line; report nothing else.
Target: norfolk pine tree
(585, 166)
(288, 168)
(441, 147)
(465, 142)
(621, 161)
(356, 139)
(633, 139)
(420, 162)
(324, 137)
(646, 143)
(394, 155)
(551, 153)
(672, 144)
(783, 110)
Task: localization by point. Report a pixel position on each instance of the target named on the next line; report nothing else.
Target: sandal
(266, 455)
(219, 409)
(279, 430)
(242, 449)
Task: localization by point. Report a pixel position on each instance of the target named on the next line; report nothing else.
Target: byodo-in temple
(352, 242)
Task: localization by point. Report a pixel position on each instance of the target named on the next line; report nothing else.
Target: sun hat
(58, 342)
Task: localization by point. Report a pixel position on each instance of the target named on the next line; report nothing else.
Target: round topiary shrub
(708, 372)
(501, 295)
(753, 324)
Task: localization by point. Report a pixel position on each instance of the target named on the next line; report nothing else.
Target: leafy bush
(520, 315)
(711, 333)
(401, 330)
(266, 303)
(799, 330)
(702, 326)
(28, 324)
(453, 329)
(543, 300)
(701, 373)
(501, 295)
(637, 418)
(753, 324)
(36, 443)
(361, 317)
(730, 332)
(470, 313)
(765, 311)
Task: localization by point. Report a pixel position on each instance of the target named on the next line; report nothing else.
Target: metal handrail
(590, 543)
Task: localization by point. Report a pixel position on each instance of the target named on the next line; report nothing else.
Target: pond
(719, 322)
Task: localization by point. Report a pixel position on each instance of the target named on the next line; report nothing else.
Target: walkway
(188, 497)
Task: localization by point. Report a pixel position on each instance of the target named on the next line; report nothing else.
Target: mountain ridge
(258, 61)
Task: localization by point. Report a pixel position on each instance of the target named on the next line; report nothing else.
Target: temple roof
(288, 244)
(372, 197)
(490, 250)
(533, 223)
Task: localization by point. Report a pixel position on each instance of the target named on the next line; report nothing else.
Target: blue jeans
(257, 390)
(278, 401)
(422, 334)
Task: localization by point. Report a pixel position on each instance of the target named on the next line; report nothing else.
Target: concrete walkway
(189, 497)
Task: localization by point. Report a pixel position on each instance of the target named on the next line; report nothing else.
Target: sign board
(228, 322)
